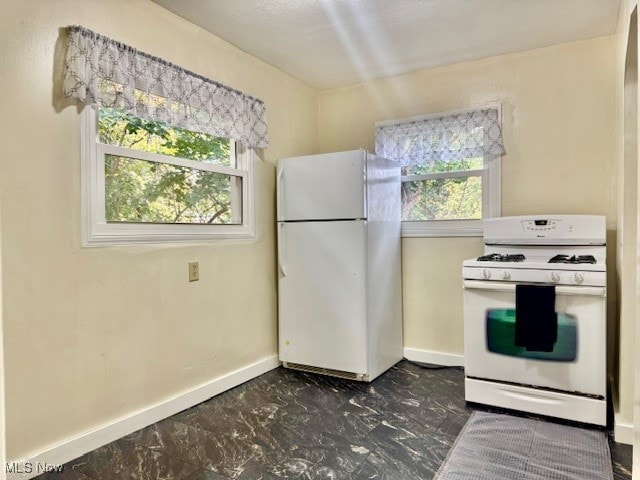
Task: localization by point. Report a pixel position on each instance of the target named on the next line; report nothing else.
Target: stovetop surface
(519, 257)
(535, 263)
(559, 249)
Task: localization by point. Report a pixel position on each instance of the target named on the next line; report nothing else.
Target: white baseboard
(435, 358)
(622, 431)
(77, 446)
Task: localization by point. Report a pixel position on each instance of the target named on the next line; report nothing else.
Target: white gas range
(535, 317)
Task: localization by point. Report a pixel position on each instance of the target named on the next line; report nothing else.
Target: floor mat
(504, 447)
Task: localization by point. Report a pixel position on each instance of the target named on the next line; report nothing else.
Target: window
(145, 181)
(158, 162)
(450, 170)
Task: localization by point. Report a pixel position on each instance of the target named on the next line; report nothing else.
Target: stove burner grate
(496, 257)
(573, 259)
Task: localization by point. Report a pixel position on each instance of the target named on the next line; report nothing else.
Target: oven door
(578, 360)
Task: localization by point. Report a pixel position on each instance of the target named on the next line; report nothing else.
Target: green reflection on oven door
(501, 330)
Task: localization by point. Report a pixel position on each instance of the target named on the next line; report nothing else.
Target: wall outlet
(194, 271)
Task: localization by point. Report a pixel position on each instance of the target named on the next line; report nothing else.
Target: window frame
(96, 231)
(491, 189)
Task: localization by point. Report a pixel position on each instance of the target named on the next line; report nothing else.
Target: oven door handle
(511, 287)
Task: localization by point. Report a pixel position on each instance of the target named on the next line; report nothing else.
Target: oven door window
(501, 328)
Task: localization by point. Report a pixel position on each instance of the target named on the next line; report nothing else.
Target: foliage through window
(450, 170)
(429, 193)
(156, 192)
(152, 182)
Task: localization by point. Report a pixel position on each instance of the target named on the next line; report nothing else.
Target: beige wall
(95, 334)
(558, 109)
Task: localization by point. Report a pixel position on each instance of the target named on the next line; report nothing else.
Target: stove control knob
(505, 274)
(486, 273)
(578, 278)
(554, 277)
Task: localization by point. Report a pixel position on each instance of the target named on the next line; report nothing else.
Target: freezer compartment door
(322, 187)
(322, 294)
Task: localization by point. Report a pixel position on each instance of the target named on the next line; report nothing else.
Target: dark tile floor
(288, 424)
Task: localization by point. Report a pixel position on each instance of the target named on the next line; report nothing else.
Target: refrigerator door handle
(281, 267)
(279, 191)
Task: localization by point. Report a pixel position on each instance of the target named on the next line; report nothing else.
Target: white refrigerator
(339, 265)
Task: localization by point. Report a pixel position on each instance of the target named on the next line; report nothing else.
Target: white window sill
(184, 235)
(447, 228)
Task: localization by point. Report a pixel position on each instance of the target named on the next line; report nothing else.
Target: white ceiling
(327, 43)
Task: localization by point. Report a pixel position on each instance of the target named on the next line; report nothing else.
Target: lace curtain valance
(441, 139)
(104, 72)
